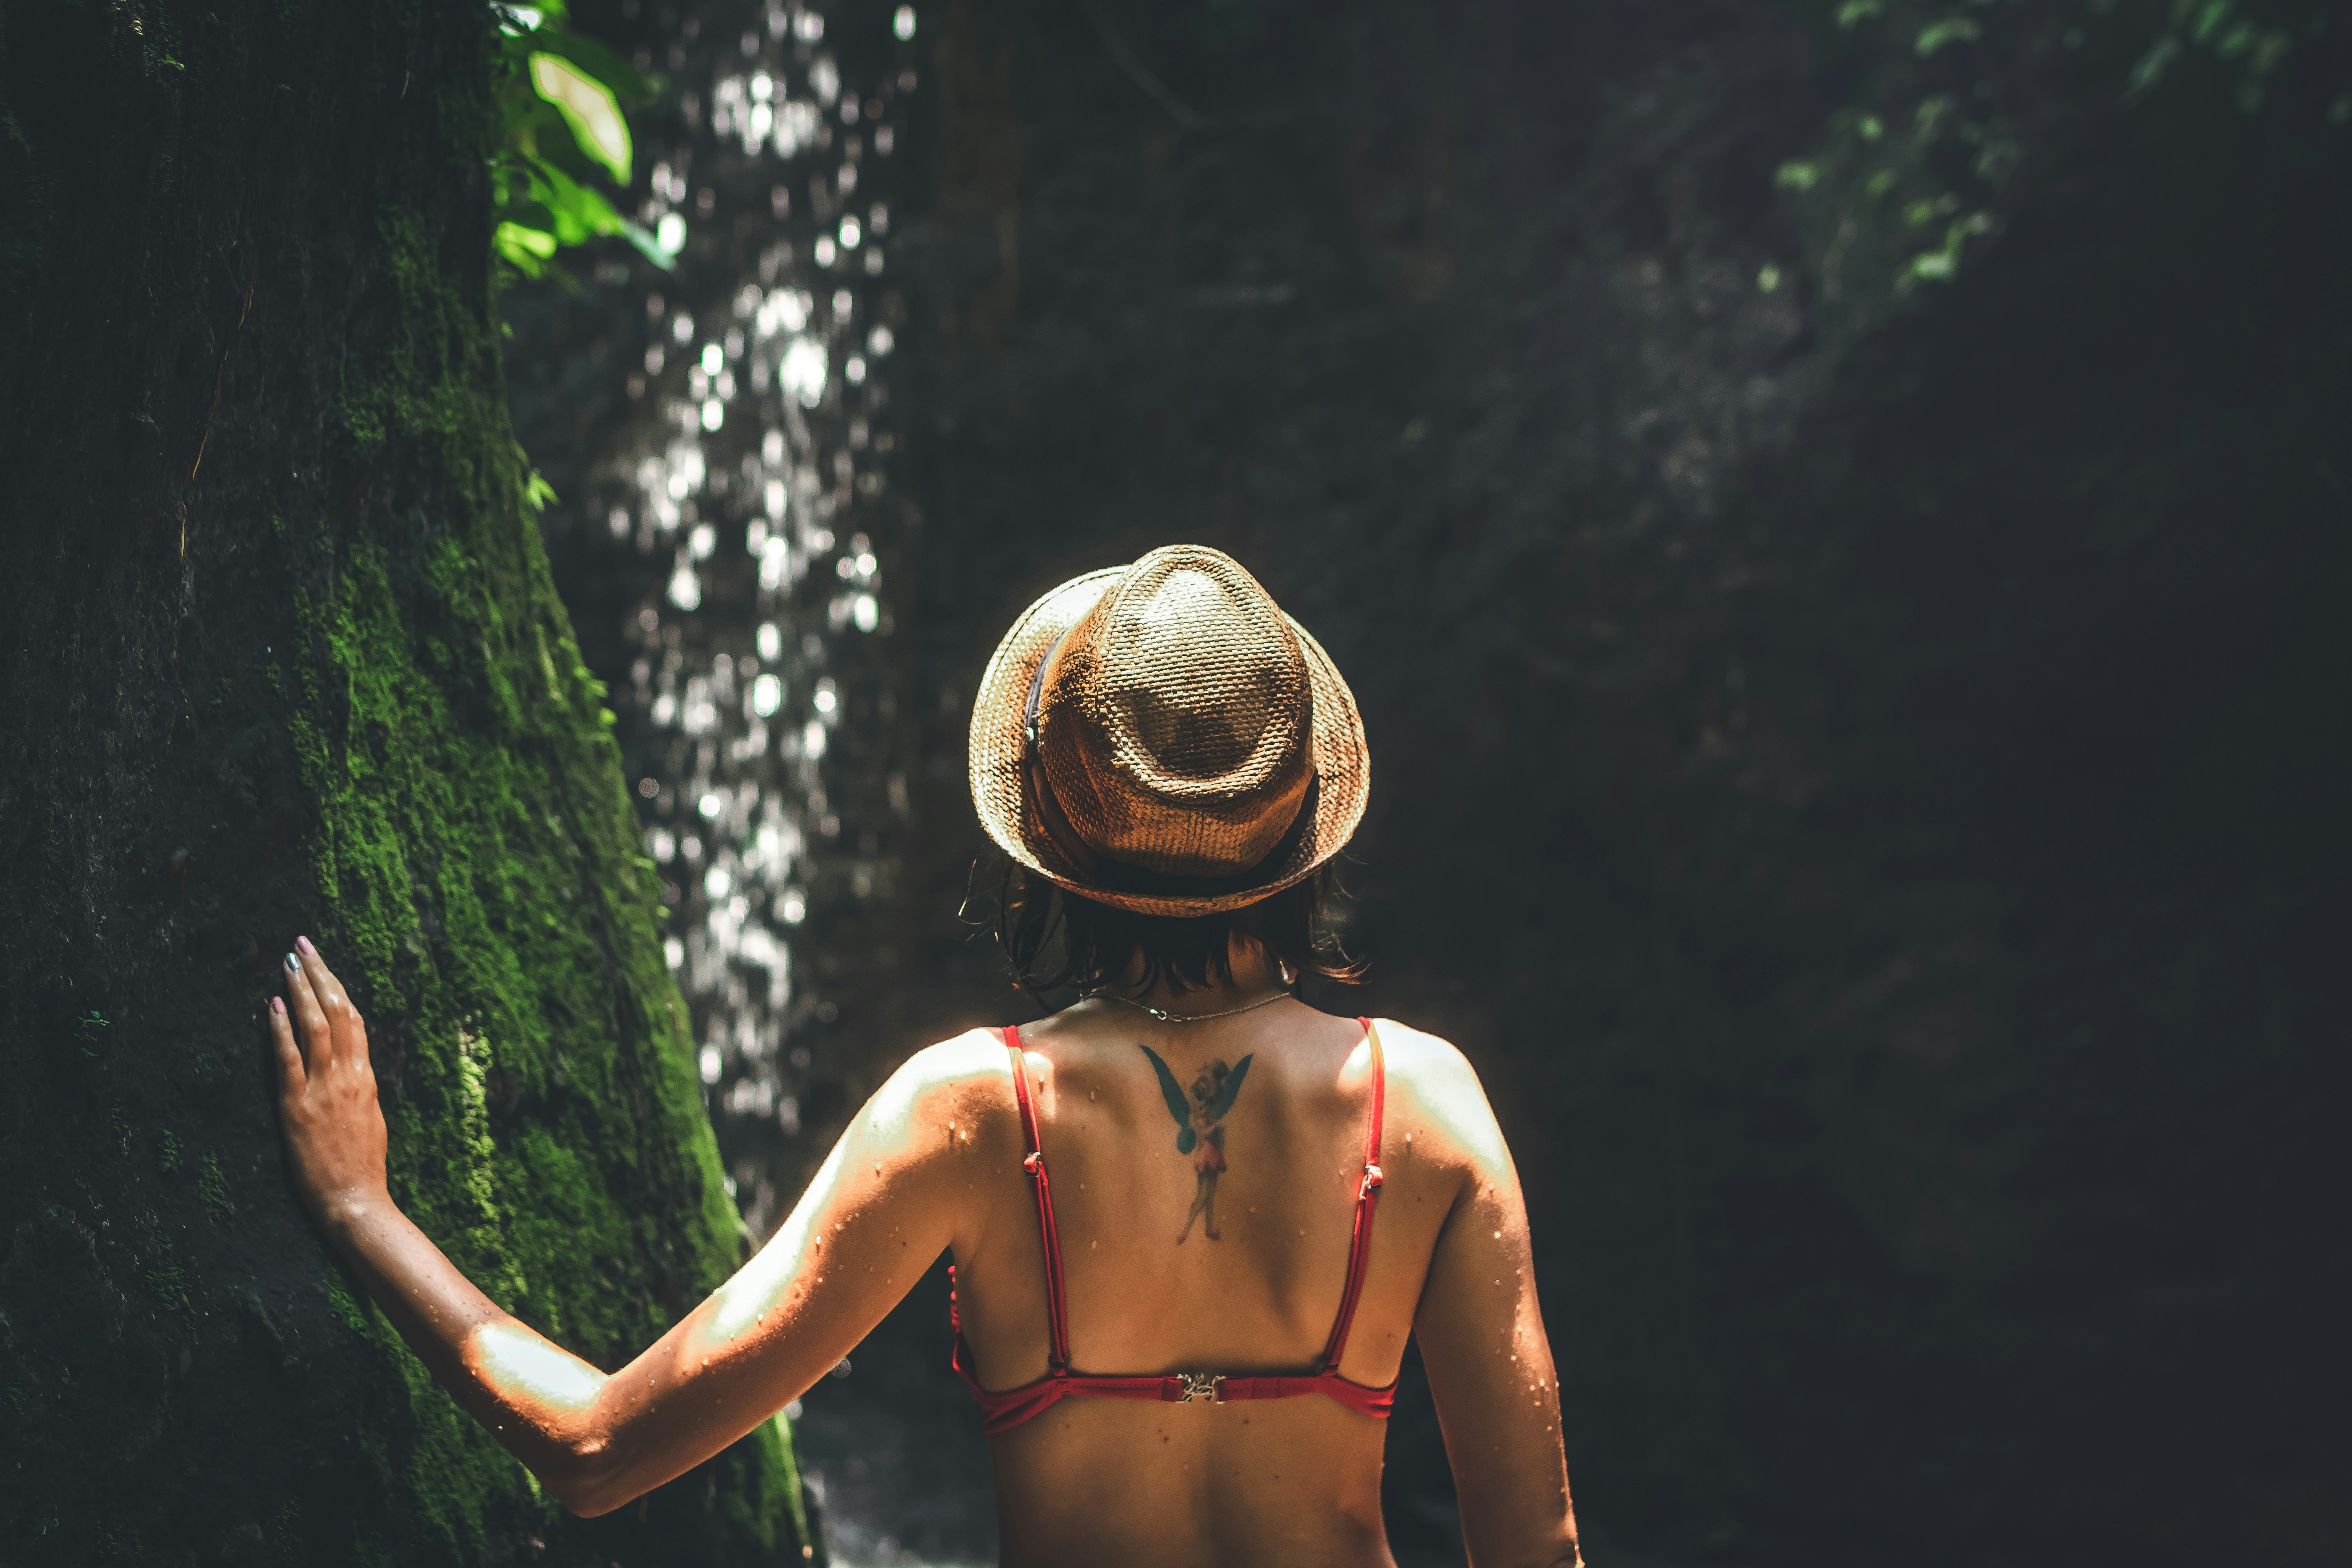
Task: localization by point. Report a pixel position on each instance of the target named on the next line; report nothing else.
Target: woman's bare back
(1278, 1105)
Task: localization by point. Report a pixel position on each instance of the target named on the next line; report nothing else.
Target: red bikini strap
(1367, 1198)
(1056, 1308)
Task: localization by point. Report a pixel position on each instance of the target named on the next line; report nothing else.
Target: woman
(1169, 762)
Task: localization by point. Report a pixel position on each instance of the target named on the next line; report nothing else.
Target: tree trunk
(281, 654)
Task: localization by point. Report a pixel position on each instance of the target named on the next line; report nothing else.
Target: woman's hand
(326, 1093)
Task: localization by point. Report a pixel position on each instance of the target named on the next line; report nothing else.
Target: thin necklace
(1168, 1018)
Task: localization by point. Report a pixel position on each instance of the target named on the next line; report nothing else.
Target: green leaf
(589, 107)
(577, 212)
(580, 212)
(527, 248)
(1854, 13)
(1950, 30)
(596, 60)
(517, 19)
(2151, 66)
(1796, 175)
(649, 248)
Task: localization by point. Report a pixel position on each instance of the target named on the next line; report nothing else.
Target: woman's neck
(1251, 974)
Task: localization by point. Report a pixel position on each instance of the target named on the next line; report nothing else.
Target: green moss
(346, 1306)
(475, 863)
(167, 1153)
(776, 1439)
(170, 1285)
(212, 1189)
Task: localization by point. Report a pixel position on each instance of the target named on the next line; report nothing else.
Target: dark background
(1859, 772)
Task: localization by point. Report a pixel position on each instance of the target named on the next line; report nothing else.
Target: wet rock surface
(279, 655)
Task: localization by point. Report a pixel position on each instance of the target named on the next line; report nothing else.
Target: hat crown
(1160, 738)
(1175, 719)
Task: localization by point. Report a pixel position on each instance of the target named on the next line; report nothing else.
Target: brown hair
(1055, 939)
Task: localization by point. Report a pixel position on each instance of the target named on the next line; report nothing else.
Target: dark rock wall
(280, 652)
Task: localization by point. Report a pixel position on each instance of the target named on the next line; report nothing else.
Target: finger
(291, 1074)
(309, 1019)
(351, 1031)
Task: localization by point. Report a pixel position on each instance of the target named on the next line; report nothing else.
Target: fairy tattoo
(1200, 1124)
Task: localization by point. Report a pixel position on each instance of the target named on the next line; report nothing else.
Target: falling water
(755, 487)
(758, 482)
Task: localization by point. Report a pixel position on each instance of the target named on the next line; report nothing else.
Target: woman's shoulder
(1435, 1097)
(961, 1087)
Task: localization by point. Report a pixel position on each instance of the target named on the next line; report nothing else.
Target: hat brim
(1342, 759)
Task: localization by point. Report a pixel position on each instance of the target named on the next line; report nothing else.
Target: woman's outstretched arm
(1482, 1340)
(893, 1195)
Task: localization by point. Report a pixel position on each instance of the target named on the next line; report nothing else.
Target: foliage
(560, 125)
(2254, 46)
(1910, 170)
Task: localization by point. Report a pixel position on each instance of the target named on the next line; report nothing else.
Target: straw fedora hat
(1163, 737)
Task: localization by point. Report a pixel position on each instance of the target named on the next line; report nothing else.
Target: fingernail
(293, 962)
(304, 944)
(277, 1004)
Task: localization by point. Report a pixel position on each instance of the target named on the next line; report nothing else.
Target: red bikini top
(1001, 1412)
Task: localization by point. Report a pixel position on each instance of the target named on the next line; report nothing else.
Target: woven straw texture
(1183, 723)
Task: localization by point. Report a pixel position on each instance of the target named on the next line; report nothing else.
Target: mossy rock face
(281, 654)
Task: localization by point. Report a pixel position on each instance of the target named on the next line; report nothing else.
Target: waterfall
(756, 483)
